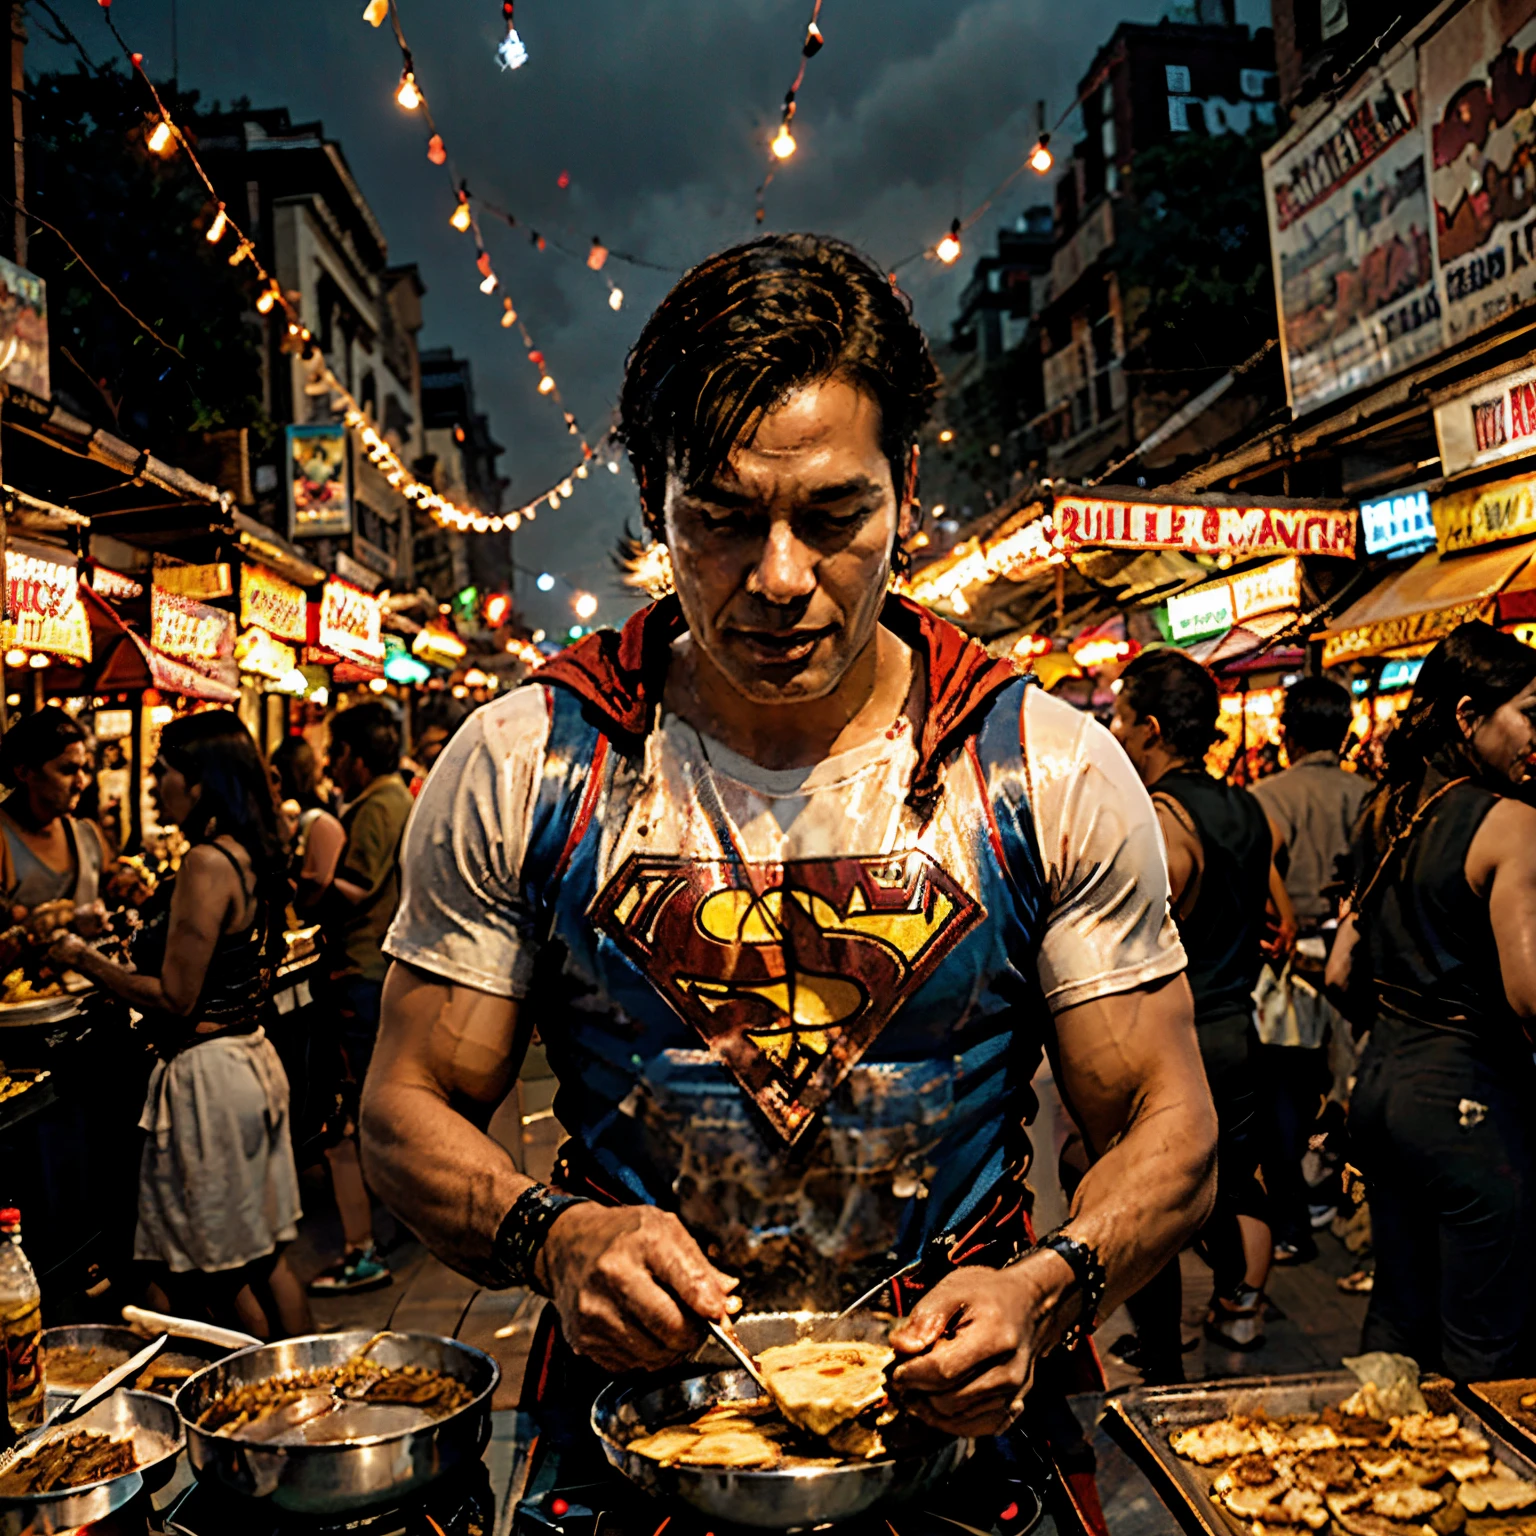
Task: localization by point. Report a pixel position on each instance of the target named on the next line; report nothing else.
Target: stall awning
(131, 662)
(1248, 640)
(1411, 610)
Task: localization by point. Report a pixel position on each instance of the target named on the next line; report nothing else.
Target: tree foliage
(138, 220)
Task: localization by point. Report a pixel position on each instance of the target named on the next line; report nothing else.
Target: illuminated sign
(1398, 525)
(1488, 515)
(114, 586)
(350, 624)
(1400, 674)
(438, 644)
(270, 603)
(1215, 608)
(113, 724)
(1488, 425)
(400, 666)
(200, 581)
(258, 653)
(190, 631)
(1092, 522)
(43, 611)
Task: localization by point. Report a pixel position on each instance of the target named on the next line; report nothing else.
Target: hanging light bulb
(437, 151)
(510, 52)
(597, 254)
(266, 300)
(948, 249)
(581, 471)
(508, 314)
(613, 466)
(814, 41)
(241, 251)
(488, 283)
(783, 144)
(553, 499)
(615, 298)
(219, 225)
(375, 12)
(408, 96)
(459, 218)
(565, 487)
(160, 137)
(546, 384)
(1041, 160)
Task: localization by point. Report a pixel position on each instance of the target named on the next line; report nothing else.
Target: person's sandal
(1361, 1283)
(359, 1270)
(1237, 1327)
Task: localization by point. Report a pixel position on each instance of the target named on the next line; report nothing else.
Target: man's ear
(909, 512)
(1466, 717)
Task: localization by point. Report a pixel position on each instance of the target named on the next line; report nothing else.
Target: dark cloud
(661, 113)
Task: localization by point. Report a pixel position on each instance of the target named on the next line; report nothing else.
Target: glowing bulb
(159, 140)
(378, 684)
(459, 218)
(615, 298)
(508, 314)
(219, 225)
(581, 471)
(19, 658)
(613, 466)
(375, 12)
(554, 500)
(437, 151)
(946, 436)
(408, 96)
(488, 283)
(544, 582)
(37, 661)
(783, 144)
(565, 487)
(1042, 159)
(266, 300)
(948, 249)
(511, 53)
(584, 605)
(546, 384)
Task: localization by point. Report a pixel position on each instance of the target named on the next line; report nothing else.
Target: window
(1254, 81)
(1178, 114)
(1178, 79)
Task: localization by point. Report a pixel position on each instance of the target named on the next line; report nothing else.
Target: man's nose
(786, 570)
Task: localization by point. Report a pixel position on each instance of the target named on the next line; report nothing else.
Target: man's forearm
(444, 1178)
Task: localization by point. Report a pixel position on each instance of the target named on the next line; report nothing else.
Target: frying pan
(786, 1499)
(115, 1345)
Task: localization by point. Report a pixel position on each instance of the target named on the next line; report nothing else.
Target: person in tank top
(1222, 886)
(46, 853)
(218, 1190)
(1440, 946)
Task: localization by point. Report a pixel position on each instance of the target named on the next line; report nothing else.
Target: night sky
(660, 111)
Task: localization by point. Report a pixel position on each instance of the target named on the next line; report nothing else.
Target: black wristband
(522, 1234)
(1088, 1269)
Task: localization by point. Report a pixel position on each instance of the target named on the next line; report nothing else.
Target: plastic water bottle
(21, 1325)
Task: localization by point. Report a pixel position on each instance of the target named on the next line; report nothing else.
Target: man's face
(343, 765)
(1138, 736)
(781, 561)
(429, 745)
(57, 785)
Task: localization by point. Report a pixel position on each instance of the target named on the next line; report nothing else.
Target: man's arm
(1129, 1069)
(1181, 843)
(630, 1284)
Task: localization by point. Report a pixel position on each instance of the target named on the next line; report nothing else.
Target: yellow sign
(43, 607)
(1406, 632)
(199, 581)
(259, 654)
(270, 603)
(1488, 515)
(351, 623)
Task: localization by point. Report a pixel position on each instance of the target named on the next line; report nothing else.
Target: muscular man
(796, 885)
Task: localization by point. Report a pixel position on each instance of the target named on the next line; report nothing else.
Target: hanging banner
(1478, 91)
(24, 330)
(43, 611)
(1490, 514)
(114, 586)
(259, 654)
(204, 582)
(192, 632)
(319, 505)
(1090, 521)
(270, 603)
(1216, 607)
(351, 624)
(1487, 425)
(1350, 234)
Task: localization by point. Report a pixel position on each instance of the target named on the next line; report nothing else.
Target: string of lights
(783, 143)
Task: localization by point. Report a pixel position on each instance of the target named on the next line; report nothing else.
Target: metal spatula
(728, 1336)
(822, 1332)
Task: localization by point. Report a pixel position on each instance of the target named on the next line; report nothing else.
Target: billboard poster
(319, 505)
(1350, 237)
(1478, 91)
(24, 330)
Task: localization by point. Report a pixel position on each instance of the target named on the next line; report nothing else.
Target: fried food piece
(1246, 1500)
(856, 1441)
(67, 1461)
(1206, 1444)
(1464, 1468)
(1405, 1503)
(1500, 1492)
(665, 1446)
(1324, 1471)
(1253, 1470)
(817, 1387)
(738, 1448)
(751, 1408)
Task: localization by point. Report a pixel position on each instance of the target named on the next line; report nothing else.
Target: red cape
(621, 675)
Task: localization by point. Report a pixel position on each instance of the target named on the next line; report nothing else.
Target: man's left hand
(971, 1344)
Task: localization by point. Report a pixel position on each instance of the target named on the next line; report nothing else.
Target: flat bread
(738, 1448)
(1206, 1444)
(1498, 1493)
(820, 1386)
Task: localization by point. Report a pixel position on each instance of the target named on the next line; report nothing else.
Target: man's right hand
(631, 1286)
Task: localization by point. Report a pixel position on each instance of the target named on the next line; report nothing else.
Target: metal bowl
(328, 1479)
(123, 1343)
(157, 1434)
(787, 1499)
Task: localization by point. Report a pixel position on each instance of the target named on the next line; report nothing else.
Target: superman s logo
(787, 971)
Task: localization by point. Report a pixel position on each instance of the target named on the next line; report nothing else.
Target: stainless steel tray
(1144, 1418)
(1500, 1400)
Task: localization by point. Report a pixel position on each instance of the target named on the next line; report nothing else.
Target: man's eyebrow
(734, 497)
(843, 490)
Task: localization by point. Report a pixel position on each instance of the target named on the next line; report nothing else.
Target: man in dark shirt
(1221, 883)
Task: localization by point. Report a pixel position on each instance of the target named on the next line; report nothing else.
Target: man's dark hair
(1317, 715)
(746, 328)
(1180, 692)
(373, 733)
(35, 740)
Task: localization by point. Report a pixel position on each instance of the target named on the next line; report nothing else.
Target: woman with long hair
(218, 1191)
(1440, 942)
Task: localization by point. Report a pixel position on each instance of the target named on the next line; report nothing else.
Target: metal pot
(124, 1343)
(158, 1437)
(791, 1499)
(328, 1479)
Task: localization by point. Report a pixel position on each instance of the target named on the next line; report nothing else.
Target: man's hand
(630, 1285)
(972, 1343)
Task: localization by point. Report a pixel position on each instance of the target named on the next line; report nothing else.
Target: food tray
(1144, 1418)
(1501, 1401)
(38, 1010)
